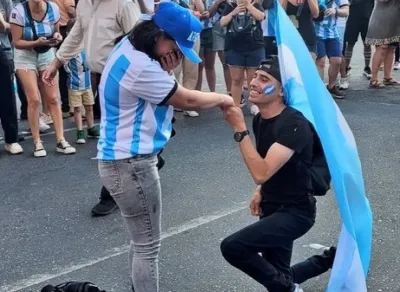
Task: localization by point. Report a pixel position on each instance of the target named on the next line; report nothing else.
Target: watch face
(238, 136)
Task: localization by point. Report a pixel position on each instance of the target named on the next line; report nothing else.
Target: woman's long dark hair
(144, 37)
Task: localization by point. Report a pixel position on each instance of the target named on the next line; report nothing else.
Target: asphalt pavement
(48, 235)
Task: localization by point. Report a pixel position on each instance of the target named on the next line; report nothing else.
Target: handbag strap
(31, 21)
(299, 10)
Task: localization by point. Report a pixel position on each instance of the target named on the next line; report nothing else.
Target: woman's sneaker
(93, 132)
(367, 73)
(13, 148)
(39, 150)
(396, 66)
(43, 127)
(192, 114)
(80, 137)
(64, 147)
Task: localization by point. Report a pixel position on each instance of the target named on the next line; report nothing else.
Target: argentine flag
(307, 93)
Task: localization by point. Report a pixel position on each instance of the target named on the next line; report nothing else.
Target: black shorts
(206, 40)
(354, 27)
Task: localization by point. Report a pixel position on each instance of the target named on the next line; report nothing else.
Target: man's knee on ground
(231, 248)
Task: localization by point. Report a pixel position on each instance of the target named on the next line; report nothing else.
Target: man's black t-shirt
(289, 184)
(306, 25)
(246, 42)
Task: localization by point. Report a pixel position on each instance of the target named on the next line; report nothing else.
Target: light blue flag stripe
(306, 92)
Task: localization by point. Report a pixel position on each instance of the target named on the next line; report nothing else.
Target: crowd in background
(238, 32)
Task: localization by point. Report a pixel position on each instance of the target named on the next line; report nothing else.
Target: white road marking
(192, 224)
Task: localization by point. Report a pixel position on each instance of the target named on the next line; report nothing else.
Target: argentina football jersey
(135, 119)
(44, 28)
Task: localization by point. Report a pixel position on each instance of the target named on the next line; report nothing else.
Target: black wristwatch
(238, 136)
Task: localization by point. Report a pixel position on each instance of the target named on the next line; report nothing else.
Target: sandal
(390, 81)
(376, 84)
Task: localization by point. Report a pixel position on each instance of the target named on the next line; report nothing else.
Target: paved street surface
(48, 235)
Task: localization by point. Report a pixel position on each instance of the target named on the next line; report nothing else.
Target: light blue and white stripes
(131, 89)
(306, 92)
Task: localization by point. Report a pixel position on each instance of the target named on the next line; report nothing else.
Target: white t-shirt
(133, 91)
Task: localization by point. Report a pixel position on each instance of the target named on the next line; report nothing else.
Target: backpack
(72, 287)
(319, 177)
(242, 24)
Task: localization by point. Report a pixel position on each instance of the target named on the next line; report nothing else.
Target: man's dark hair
(144, 35)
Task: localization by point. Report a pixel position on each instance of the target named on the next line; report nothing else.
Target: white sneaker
(39, 150)
(64, 148)
(43, 127)
(192, 114)
(13, 148)
(47, 119)
(344, 84)
(396, 66)
(297, 288)
(254, 110)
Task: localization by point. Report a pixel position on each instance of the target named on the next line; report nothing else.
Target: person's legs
(95, 80)
(388, 66)
(29, 83)
(209, 66)
(190, 72)
(22, 98)
(397, 54)
(62, 83)
(237, 75)
(377, 60)
(334, 52)
(135, 186)
(227, 73)
(199, 83)
(273, 236)
(313, 266)
(321, 55)
(8, 107)
(50, 97)
(236, 62)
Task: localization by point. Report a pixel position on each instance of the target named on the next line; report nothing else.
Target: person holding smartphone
(244, 42)
(35, 33)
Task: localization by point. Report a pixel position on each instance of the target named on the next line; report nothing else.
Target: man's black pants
(273, 236)
(8, 107)
(63, 79)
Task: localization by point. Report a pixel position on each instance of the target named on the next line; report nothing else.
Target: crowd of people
(121, 61)
(238, 31)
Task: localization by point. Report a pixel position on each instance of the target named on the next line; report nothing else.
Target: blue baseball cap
(181, 25)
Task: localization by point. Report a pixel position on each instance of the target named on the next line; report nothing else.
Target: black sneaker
(329, 256)
(64, 148)
(104, 207)
(367, 73)
(348, 73)
(335, 92)
(78, 287)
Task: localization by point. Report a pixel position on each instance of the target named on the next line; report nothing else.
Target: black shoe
(161, 162)
(329, 256)
(335, 92)
(78, 287)
(104, 207)
(367, 73)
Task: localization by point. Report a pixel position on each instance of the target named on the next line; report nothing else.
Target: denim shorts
(30, 60)
(328, 47)
(206, 40)
(246, 59)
